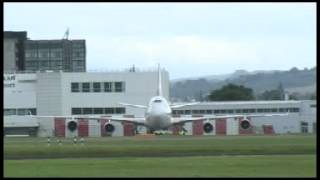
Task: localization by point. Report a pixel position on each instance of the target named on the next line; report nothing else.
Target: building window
(274, 110)
(9, 112)
(230, 111)
(267, 110)
(294, 110)
(96, 87)
(195, 111)
(97, 110)
(187, 112)
(109, 110)
(120, 110)
(304, 127)
(252, 110)
(86, 87)
(75, 87)
(87, 111)
(202, 111)
(238, 110)
(56, 54)
(119, 86)
(43, 53)
(33, 111)
(282, 110)
(76, 111)
(179, 111)
(107, 87)
(43, 64)
(208, 111)
(22, 112)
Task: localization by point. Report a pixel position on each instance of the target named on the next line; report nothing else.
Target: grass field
(165, 156)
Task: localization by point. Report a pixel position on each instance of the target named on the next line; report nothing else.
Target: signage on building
(9, 81)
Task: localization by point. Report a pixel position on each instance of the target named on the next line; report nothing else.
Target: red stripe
(59, 127)
(221, 126)
(83, 130)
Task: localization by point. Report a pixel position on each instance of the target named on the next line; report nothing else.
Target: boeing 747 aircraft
(158, 115)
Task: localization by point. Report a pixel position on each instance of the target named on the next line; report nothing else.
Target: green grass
(160, 146)
(195, 166)
(165, 156)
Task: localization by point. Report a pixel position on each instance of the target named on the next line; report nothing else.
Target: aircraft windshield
(157, 101)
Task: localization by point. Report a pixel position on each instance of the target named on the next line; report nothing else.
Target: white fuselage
(158, 114)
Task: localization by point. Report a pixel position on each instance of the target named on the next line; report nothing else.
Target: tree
(281, 91)
(313, 96)
(274, 94)
(231, 92)
(270, 95)
(294, 96)
(294, 69)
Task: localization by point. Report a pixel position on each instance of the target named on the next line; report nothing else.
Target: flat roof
(248, 102)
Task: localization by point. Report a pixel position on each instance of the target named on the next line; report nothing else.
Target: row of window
(109, 110)
(236, 111)
(45, 63)
(97, 87)
(43, 53)
(19, 112)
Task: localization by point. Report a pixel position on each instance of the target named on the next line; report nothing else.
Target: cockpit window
(157, 101)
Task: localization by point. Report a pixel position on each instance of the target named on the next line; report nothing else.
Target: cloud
(176, 50)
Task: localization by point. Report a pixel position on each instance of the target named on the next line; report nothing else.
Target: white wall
(94, 128)
(46, 127)
(232, 126)
(23, 92)
(49, 94)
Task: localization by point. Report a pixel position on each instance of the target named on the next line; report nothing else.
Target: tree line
(233, 92)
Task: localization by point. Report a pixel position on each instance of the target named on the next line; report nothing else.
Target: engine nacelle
(207, 127)
(109, 128)
(72, 125)
(245, 124)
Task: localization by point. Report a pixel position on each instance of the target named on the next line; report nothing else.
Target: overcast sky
(187, 39)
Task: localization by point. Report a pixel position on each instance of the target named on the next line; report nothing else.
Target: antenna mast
(66, 34)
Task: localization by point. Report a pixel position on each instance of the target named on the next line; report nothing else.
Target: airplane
(158, 115)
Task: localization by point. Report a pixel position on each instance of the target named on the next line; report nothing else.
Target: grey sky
(187, 39)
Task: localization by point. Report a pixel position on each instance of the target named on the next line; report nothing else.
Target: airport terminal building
(98, 94)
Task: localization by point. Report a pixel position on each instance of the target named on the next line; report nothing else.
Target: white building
(73, 93)
(301, 118)
(97, 93)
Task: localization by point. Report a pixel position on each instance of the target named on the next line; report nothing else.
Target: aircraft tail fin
(159, 91)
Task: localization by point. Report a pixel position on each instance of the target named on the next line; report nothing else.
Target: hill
(293, 81)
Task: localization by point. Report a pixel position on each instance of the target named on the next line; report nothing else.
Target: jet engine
(109, 128)
(72, 125)
(207, 127)
(245, 124)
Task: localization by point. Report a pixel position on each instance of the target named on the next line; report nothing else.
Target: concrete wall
(9, 61)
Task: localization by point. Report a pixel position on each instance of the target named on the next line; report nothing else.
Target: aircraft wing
(182, 105)
(136, 120)
(133, 105)
(177, 120)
